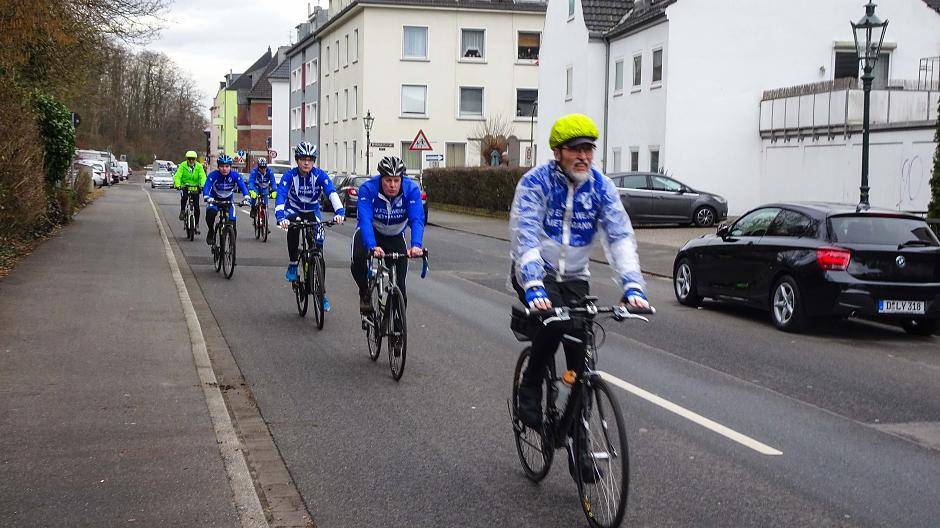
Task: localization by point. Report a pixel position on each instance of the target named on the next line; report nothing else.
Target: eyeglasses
(584, 148)
(306, 158)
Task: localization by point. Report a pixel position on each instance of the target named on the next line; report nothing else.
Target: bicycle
(310, 257)
(189, 213)
(223, 251)
(387, 317)
(597, 455)
(261, 217)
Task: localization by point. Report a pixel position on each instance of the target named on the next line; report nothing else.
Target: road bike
(311, 268)
(582, 416)
(387, 316)
(261, 217)
(223, 250)
(189, 213)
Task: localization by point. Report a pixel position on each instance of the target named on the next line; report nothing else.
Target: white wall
(723, 54)
(637, 116)
(280, 117)
(565, 42)
(334, 129)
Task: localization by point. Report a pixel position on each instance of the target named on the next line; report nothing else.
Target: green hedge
(489, 188)
(58, 135)
(934, 208)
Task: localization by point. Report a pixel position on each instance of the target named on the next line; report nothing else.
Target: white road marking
(246, 498)
(731, 434)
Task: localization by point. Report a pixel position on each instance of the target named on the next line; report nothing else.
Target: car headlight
(719, 199)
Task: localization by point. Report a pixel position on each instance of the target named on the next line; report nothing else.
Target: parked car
(96, 167)
(652, 198)
(805, 261)
(349, 191)
(278, 169)
(161, 179)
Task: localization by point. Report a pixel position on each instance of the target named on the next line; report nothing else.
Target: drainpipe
(606, 99)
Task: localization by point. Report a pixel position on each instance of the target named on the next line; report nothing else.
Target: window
(569, 79)
(882, 230)
(654, 160)
(355, 44)
(754, 223)
(662, 183)
(347, 51)
(615, 166)
(269, 111)
(355, 156)
(326, 153)
(415, 43)
(570, 9)
(411, 158)
(336, 107)
(295, 80)
(633, 181)
(326, 118)
(414, 100)
(792, 224)
(471, 102)
(658, 66)
(335, 155)
(354, 113)
(268, 143)
(618, 77)
(634, 160)
(456, 155)
(314, 119)
(637, 70)
(847, 67)
(345, 155)
(345, 104)
(528, 46)
(336, 64)
(294, 118)
(527, 102)
(472, 43)
(312, 72)
(327, 60)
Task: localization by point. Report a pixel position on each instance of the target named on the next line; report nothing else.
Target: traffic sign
(421, 142)
(241, 153)
(434, 157)
(272, 153)
(382, 145)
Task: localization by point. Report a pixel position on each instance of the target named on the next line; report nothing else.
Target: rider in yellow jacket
(190, 174)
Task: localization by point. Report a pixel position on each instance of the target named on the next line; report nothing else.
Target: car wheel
(683, 282)
(704, 216)
(921, 327)
(786, 306)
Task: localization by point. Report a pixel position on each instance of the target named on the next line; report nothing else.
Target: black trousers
(546, 339)
(360, 260)
(293, 235)
(186, 195)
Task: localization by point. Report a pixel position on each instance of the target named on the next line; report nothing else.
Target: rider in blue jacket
(260, 183)
(221, 185)
(387, 205)
(298, 196)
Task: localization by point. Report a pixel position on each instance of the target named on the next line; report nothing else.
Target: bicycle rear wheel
(256, 222)
(190, 223)
(217, 249)
(374, 325)
(263, 213)
(601, 457)
(317, 288)
(397, 333)
(300, 285)
(535, 451)
(228, 255)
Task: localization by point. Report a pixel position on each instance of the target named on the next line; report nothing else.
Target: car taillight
(831, 258)
(353, 192)
(424, 196)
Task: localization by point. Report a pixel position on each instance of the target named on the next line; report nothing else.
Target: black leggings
(360, 260)
(185, 195)
(293, 236)
(546, 339)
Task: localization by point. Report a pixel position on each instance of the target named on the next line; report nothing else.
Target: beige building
(448, 69)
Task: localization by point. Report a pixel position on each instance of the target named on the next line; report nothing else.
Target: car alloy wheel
(704, 217)
(684, 284)
(784, 302)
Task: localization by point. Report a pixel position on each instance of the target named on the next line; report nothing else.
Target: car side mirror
(681, 190)
(724, 230)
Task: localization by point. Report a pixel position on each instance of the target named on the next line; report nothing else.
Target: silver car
(161, 179)
(652, 198)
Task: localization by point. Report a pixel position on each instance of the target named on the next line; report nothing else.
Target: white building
(443, 67)
(686, 87)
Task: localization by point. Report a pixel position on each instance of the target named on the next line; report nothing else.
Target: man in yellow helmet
(559, 209)
(190, 178)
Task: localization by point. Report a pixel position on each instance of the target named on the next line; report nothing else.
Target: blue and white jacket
(260, 181)
(223, 187)
(389, 216)
(553, 224)
(300, 193)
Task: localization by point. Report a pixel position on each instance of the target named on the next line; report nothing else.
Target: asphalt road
(854, 409)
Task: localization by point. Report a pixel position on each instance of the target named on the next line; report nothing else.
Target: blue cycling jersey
(389, 216)
(223, 187)
(554, 221)
(300, 193)
(261, 181)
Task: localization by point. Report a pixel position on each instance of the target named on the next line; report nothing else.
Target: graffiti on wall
(913, 188)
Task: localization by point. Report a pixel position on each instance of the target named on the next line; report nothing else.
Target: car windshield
(874, 229)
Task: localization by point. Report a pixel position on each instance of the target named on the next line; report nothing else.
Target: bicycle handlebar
(309, 223)
(564, 313)
(397, 256)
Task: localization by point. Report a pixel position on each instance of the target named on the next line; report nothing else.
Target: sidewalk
(103, 421)
(657, 246)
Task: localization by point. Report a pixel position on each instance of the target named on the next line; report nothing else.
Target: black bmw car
(805, 261)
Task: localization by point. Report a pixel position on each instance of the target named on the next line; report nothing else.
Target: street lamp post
(367, 122)
(535, 106)
(869, 33)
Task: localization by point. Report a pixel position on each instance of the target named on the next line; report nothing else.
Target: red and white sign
(272, 153)
(421, 142)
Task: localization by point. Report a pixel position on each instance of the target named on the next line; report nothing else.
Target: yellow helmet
(572, 126)
(192, 154)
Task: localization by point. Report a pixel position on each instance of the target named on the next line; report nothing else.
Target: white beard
(579, 177)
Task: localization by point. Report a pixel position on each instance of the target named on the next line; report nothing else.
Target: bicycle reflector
(833, 258)
(353, 192)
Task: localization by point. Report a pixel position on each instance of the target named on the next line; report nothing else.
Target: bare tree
(493, 134)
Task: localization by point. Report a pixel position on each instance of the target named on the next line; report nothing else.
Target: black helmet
(392, 166)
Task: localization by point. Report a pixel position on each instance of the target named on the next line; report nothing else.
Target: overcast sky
(207, 38)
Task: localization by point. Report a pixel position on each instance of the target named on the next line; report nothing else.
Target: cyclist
(189, 174)
(298, 195)
(558, 210)
(260, 182)
(221, 185)
(387, 204)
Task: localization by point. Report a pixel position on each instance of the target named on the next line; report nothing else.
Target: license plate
(900, 307)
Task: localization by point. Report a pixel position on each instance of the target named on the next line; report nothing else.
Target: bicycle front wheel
(316, 278)
(374, 325)
(397, 332)
(217, 250)
(190, 224)
(228, 253)
(535, 451)
(263, 213)
(601, 457)
(256, 222)
(300, 285)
